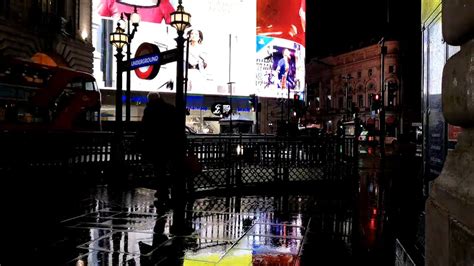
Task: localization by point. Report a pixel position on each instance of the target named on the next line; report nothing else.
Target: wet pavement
(124, 228)
(390, 202)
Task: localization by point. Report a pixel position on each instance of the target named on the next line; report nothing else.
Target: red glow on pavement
(372, 224)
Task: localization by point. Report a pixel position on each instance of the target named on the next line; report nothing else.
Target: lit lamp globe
(118, 38)
(180, 19)
(135, 18)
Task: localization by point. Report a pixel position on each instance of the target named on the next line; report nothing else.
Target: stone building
(448, 85)
(53, 32)
(347, 84)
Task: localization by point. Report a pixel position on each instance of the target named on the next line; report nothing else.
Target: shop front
(200, 118)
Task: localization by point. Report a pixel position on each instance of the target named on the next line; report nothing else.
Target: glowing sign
(219, 109)
(258, 46)
(147, 61)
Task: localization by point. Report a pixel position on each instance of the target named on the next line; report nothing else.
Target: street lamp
(281, 101)
(347, 79)
(383, 52)
(180, 20)
(134, 18)
(287, 108)
(118, 39)
(231, 130)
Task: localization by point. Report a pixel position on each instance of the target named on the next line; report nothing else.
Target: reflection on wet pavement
(125, 229)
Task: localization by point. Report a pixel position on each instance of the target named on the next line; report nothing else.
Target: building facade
(53, 32)
(347, 85)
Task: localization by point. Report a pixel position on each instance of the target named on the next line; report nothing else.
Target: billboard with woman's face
(235, 47)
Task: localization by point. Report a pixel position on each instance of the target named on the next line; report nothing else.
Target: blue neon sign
(146, 60)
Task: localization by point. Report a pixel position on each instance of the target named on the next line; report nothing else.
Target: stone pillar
(450, 207)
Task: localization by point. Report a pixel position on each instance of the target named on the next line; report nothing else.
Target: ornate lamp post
(180, 20)
(118, 39)
(347, 80)
(134, 19)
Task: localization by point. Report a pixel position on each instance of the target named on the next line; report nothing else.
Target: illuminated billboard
(232, 44)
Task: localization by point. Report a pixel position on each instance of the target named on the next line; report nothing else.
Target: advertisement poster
(234, 46)
(281, 28)
(453, 135)
(453, 132)
(436, 131)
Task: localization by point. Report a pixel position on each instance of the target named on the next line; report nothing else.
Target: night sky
(339, 26)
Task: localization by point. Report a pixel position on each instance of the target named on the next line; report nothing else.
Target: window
(328, 103)
(392, 94)
(391, 69)
(370, 86)
(76, 85)
(341, 103)
(359, 74)
(360, 100)
(392, 99)
(90, 86)
(370, 72)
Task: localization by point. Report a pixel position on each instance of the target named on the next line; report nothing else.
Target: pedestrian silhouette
(166, 250)
(160, 135)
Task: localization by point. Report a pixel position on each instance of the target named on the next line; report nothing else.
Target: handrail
(226, 161)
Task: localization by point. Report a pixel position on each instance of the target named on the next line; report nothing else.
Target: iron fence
(232, 161)
(227, 161)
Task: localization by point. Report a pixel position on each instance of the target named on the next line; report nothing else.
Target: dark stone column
(450, 207)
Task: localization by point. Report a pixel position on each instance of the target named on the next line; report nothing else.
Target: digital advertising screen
(235, 47)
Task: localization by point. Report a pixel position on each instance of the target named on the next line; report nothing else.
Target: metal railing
(232, 161)
(227, 161)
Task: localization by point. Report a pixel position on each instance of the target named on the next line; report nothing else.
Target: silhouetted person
(160, 135)
(165, 250)
(149, 253)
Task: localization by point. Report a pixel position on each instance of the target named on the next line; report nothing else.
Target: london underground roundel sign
(147, 61)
